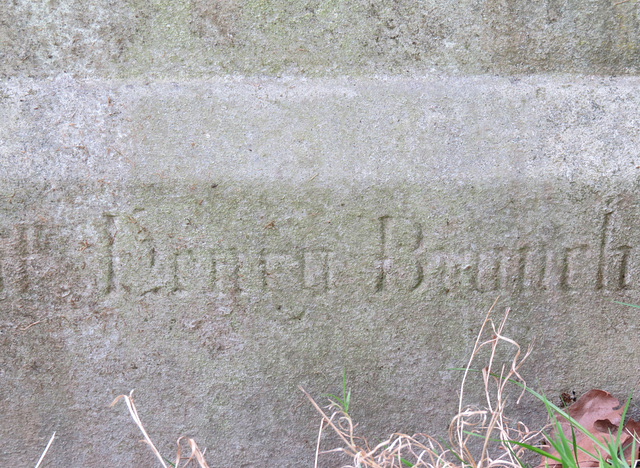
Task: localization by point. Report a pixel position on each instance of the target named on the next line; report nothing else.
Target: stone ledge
(197, 38)
(355, 130)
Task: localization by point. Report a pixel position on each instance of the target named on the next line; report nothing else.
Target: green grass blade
(335, 397)
(455, 454)
(533, 448)
(574, 443)
(622, 418)
(406, 462)
(513, 454)
(614, 455)
(555, 408)
(625, 304)
(563, 446)
(537, 450)
(344, 407)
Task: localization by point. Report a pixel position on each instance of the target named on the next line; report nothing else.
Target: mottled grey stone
(215, 243)
(215, 201)
(195, 38)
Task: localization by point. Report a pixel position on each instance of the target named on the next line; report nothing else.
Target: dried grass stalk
(422, 450)
(46, 449)
(196, 454)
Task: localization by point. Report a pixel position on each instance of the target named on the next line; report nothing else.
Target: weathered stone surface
(195, 38)
(215, 243)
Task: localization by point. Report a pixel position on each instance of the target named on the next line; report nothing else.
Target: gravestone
(215, 202)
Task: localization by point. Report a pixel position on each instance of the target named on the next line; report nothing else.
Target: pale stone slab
(197, 38)
(216, 243)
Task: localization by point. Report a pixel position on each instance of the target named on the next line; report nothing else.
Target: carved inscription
(24, 249)
(402, 256)
(316, 270)
(193, 268)
(613, 262)
(136, 264)
(398, 266)
(281, 270)
(141, 262)
(109, 238)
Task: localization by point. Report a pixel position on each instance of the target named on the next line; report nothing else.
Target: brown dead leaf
(600, 413)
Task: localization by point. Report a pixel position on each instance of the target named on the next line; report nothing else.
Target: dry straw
(489, 424)
(495, 430)
(46, 449)
(196, 454)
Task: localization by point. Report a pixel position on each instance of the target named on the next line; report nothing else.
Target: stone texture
(195, 38)
(215, 243)
(214, 202)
